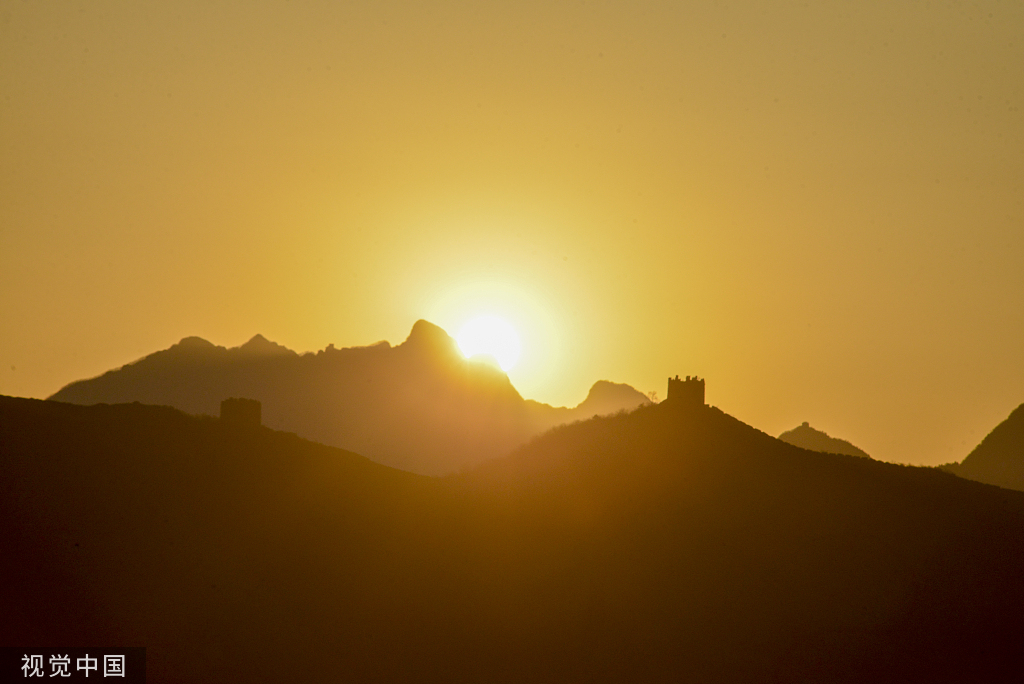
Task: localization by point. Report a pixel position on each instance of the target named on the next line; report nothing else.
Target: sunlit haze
(491, 336)
(817, 207)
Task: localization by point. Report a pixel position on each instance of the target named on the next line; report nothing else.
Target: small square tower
(688, 392)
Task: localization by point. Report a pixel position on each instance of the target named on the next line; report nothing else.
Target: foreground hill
(806, 437)
(999, 459)
(664, 545)
(420, 406)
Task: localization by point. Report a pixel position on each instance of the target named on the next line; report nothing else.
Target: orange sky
(817, 206)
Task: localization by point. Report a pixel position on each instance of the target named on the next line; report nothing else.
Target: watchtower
(243, 413)
(688, 392)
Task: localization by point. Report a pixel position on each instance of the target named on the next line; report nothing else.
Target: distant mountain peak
(261, 346)
(425, 330)
(808, 438)
(428, 337)
(608, 397)
(193, 342)
(604, 388)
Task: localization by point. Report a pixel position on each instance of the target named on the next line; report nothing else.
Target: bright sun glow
(493, 336)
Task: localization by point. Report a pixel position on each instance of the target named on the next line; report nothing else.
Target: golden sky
(818, 206)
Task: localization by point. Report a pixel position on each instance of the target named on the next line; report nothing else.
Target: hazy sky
(818, 206)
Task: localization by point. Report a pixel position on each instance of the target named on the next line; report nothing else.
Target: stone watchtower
(242, 413)
(688, 392)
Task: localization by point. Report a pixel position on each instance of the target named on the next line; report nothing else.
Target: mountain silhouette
(419, 406)
(668, 544)
(606, 398)
(261, 346)
(806, 437)
(999, 458)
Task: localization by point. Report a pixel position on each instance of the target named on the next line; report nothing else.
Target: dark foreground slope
(419, 406)
(662, 545)
(999, 459)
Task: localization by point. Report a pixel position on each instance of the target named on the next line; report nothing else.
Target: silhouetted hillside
(420, 406)
(808, 438)
(664, 545)
(999, 459)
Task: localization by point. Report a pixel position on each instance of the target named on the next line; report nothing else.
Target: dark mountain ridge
(999, 458)
(667, 544)
(419, 406)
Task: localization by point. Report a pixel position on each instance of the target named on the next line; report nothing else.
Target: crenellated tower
(688, 392)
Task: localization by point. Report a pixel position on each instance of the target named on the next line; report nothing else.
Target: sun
(492, 336)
